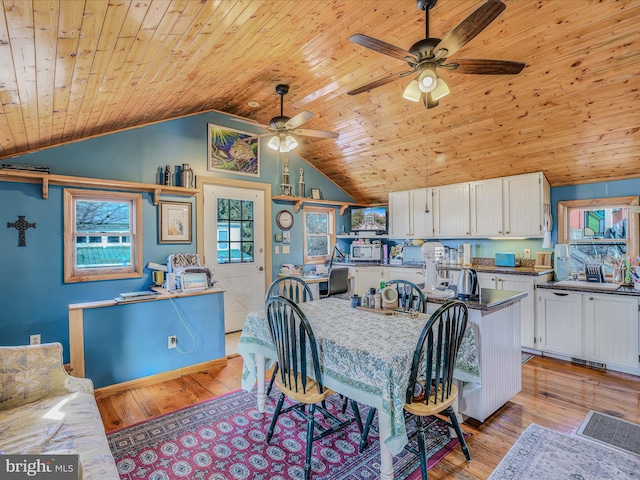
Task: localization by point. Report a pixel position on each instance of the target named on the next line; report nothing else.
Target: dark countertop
(584, 287)
(531, 271)
(375, 264)
(490, 299)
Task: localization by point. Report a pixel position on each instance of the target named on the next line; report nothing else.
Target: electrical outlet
(34, 339)
(527, 253)
(172, 341)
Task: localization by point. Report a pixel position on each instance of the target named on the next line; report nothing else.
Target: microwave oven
(366, 252)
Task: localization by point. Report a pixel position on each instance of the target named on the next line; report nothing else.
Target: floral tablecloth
(365, 355)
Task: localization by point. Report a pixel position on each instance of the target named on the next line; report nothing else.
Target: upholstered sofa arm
(29, 373)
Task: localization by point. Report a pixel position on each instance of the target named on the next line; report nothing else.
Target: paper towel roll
(467, 255)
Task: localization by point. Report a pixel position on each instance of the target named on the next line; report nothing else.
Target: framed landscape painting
(174, 222)
(233, 151)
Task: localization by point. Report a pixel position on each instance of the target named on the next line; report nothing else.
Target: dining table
(366, 355)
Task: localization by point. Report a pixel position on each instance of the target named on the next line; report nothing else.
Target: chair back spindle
(410, 297)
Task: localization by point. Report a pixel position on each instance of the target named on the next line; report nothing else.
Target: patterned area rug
(542, 454)
(612, 431)
(225, 438)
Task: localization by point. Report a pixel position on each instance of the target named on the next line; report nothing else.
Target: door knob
(260, 269)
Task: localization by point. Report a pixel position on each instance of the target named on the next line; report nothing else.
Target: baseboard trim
(159, 377)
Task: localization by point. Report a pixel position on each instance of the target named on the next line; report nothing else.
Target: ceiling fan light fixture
(274, 143)
(290, 142)
(427, 80)
(440, 91)
(412, 92)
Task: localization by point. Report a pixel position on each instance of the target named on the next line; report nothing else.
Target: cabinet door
(367, 277)
(611, 329)
(523, 205)
(421, 222)
(487, 280)
(399, 210)
(451, 217)
(486, 208)
(414, 275)
(560, 322)
(527, 305)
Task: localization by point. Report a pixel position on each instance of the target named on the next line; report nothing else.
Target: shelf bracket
(297, 205)
(45, 188)
(156, 196)
(343, 208)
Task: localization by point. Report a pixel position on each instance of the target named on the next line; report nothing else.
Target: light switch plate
(527, 253)
(286, 249)
(277, 249)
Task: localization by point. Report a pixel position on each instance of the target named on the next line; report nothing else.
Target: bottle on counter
(186, 176)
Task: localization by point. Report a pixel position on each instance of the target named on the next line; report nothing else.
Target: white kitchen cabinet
(509, 206)
(451, 211)
(367, 277)
(610, 329)
(407, 215)
(518, 283)
(486, 208)
(414, 275)
(559, 324)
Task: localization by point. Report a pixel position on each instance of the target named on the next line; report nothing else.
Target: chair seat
(421, 409)
(311, 396)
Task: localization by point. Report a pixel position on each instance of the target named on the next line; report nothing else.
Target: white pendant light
(412, 92)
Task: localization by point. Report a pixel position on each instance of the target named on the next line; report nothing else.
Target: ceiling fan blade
(256, 136)
(481, 66)
(315, 133)
(380, 46)
(470, 27)
(299, 119)
(374, 84)
(250, 122)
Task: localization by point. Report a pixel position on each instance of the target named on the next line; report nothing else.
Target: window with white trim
(102, 235)
(319, 234)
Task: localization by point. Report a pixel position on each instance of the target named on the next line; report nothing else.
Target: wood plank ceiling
(73, 69)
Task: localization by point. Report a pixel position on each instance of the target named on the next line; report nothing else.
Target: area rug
(612, 431)
(543, 454)
(225, 438)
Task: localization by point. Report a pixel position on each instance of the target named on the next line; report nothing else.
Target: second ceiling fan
(427, 55)
(281, 127)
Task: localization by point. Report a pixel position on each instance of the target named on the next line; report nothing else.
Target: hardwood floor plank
(555, 394)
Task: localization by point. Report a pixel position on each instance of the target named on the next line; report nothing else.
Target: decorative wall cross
(21, 225)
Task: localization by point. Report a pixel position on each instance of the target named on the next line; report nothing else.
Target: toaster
(505, 259)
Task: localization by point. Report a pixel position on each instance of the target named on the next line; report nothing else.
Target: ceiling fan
(281, 127)
(427, 55)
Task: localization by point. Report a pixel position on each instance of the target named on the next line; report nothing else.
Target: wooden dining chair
(300, 375)
(337, 282)
(410, 297)
(430, 389)
(296, 290)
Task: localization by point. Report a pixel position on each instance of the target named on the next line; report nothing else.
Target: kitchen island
(495, 319)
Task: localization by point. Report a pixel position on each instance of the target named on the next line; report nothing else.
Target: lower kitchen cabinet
(560, 322)
(610, 329)
(414, 275)
(518, 283)
(600, 328)
(367, 277)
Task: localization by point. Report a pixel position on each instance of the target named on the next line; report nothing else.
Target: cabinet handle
(590, 298)
(500, 232)
(560, 294)
(506, 232)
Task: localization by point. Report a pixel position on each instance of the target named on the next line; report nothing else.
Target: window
(598, 230)
(102, 235)
(319, 234)
(235, 225)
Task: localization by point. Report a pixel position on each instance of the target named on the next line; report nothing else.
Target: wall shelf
(47, 179)
(299, 201)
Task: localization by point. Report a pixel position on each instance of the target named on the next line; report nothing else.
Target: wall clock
(284, 220)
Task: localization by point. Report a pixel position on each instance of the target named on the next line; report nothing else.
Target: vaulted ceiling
(73, 69)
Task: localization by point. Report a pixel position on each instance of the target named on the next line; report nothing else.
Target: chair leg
(456, 426)
(421, 447)
(275, 417)
(356, 413)
(307, 460)
(273, 378)
(365, 431)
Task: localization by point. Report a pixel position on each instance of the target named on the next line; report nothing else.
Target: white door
(234, 249)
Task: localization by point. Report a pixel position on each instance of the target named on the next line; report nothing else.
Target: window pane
(97, 216)
(235, 230)
(317, 245)
(316, 223)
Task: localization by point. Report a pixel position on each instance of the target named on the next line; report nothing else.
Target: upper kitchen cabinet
(451, 207)
(408, 216)
(520, 199)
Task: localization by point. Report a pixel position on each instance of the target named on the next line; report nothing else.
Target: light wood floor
(555, 394)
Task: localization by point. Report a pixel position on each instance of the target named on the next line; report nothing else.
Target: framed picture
(174, 222)
(278, 238)
(316, 194)
(232, 151)
(286, 236)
